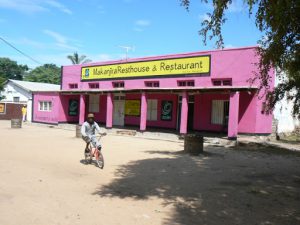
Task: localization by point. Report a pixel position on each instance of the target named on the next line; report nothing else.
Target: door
(190, 125)
(118, 119)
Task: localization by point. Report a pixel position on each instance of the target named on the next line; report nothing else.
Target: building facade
(17, 93)
(200, 91)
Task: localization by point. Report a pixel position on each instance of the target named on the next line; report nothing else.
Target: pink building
(199, 91)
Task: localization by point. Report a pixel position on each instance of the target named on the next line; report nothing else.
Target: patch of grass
(293, 139)
(264, 148)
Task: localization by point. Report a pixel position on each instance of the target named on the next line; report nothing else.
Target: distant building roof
(35, 86)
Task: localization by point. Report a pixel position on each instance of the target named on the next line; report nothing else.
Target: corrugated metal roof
(35, 86)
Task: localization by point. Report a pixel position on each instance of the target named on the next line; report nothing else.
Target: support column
(82, 109)
(109, 110)
(143, 122)
(233, 115)
(184, 113)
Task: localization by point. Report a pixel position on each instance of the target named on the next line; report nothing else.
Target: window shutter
(152, 109)
(217, 114)
(94, 102)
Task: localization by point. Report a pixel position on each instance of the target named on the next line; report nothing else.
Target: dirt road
(44, 182)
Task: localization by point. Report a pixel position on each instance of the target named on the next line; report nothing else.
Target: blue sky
(49, 30)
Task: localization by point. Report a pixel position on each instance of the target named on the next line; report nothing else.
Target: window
(220, 112)
(73, 86)
(94, 85)
(181, 83)
(152, 83)
(152, 109)
(227, 82)
(94, 102)
(217, 82)
(191, 98)
(190, 83)
(222, 82)
(119, 84)
(186, 83)
(119, 97)
(45, 106)
(16, 99)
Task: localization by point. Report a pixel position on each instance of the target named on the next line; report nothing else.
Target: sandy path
(43, 182)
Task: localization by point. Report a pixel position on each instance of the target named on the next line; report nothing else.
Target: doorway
(119, 107)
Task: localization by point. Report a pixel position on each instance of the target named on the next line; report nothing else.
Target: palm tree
(76, 59)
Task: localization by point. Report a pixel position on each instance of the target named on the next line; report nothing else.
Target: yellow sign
(132, 107)
(2, 107)
(166, 67)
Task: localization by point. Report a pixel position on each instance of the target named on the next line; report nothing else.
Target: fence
(10, 111)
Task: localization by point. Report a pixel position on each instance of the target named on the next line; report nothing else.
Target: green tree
(47, 73)
(2, 80)
(76, 59)
(10, 69)
(279, 22)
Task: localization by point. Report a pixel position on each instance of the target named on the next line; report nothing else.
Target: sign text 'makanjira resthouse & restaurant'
(182, 66)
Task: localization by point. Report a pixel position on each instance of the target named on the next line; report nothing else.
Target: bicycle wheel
(100, 160)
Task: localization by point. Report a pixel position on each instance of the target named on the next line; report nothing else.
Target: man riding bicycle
(88, 129)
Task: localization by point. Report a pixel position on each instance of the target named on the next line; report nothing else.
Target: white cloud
(229, 46)
(204, 17)
(33, 6)
(59, 6)
(57, 36)
(103, 57)
(236, 6)
(29, 42)
(138, 29)
(61, 41)
(101, 9)
(25, 6)
(142, 23)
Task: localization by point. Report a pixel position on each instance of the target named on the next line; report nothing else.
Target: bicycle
(94, 152)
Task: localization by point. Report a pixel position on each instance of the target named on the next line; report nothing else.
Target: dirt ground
(43, 181)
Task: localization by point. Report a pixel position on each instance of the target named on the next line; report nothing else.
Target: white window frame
(94, 103)
(152, 109)
(45, 106)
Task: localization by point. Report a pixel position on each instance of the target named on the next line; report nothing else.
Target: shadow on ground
(93, 162)
(219, 187)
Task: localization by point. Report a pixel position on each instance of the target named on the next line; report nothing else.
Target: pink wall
(64, 109)
(202, 111)
(238, 64)
(46, 117)
(251, 119)
(135, 120)
(247, 112)
(100, 116)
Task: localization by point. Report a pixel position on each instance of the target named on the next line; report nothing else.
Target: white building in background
(20, 92)
(283, 113)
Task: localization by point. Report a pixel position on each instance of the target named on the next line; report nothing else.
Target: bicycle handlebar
(101, 135)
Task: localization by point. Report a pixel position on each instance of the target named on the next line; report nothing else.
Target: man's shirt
(89, 130)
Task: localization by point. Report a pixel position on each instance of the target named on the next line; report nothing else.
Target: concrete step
(153, 134)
